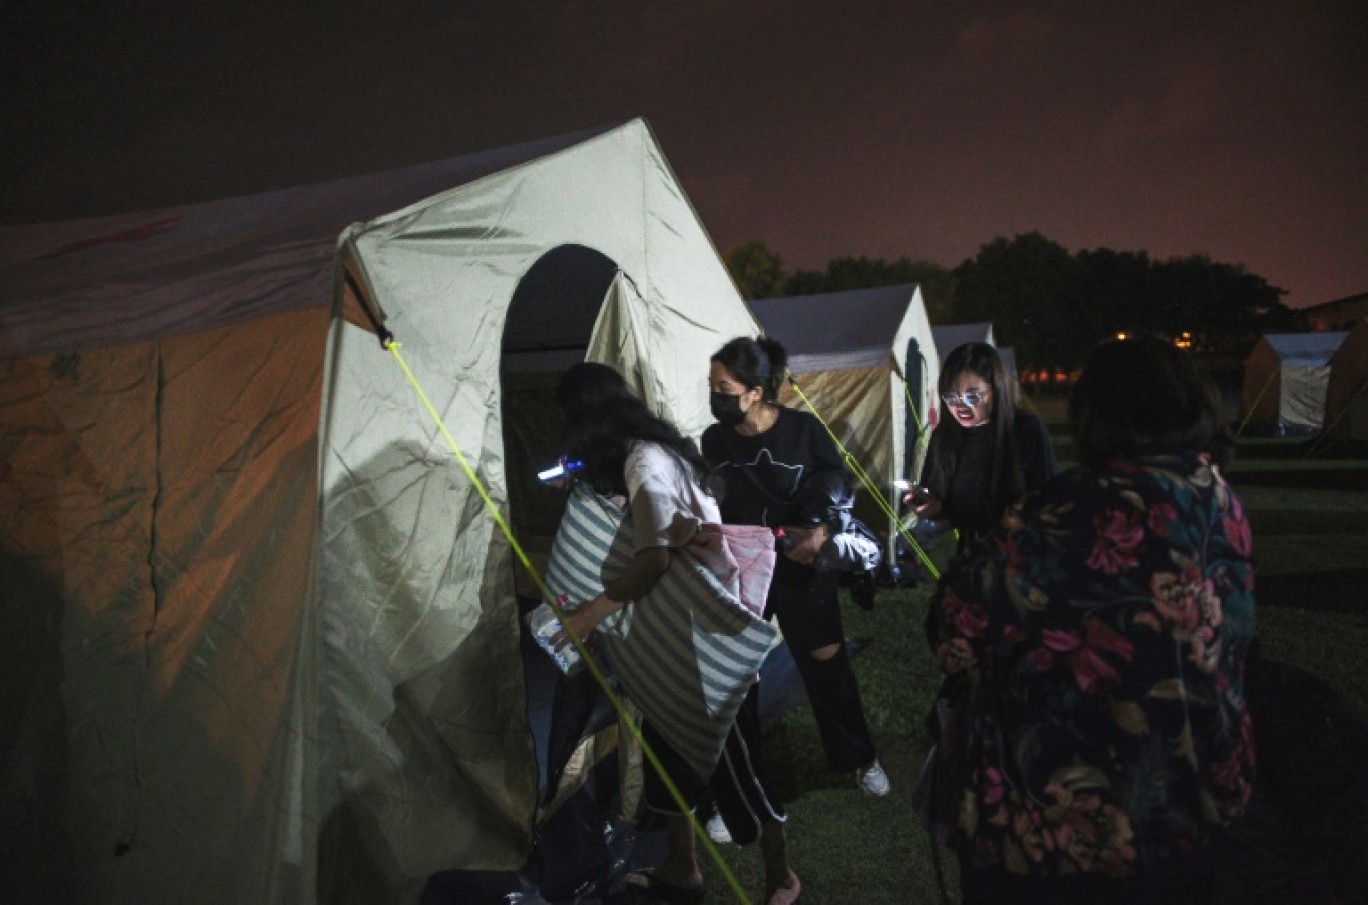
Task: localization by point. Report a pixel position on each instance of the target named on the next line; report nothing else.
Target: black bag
(571, 853)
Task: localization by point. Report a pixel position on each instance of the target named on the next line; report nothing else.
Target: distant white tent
(1286, 377)
(260, 639)
(951, 336)
(867, 361)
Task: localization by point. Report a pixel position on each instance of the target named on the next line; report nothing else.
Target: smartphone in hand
(918, 496)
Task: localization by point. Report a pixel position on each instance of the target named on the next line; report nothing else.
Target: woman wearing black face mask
(764, 456)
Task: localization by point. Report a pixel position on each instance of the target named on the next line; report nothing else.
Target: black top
(777, 460)
(965, 503)
(757, 478)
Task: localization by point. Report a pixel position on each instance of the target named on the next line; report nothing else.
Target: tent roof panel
(1305, 349)
(836, 330)
(951, 336)
(131, 277)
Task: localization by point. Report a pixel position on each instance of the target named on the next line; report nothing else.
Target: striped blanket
(687, 652)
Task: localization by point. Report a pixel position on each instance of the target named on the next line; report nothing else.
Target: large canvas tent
(260, 639)
(1346, 396)
(867, 362)
(1285, 382)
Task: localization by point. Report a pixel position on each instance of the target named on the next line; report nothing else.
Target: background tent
(204, 697)
(950, 336)
(1008, 356)
(1285, 381)
(867, 361)
(1346, 397)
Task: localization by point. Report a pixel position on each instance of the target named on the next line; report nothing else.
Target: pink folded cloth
(741, 556)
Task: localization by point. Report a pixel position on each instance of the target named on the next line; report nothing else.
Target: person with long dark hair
(627, 451)
(777, 467)
(1099, 639)
(984, 452)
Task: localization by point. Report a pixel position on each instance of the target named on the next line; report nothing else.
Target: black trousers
(809, 614)
(740, 788)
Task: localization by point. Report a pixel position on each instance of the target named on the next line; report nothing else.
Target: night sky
(1238, 130)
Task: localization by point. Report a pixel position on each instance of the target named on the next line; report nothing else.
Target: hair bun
(777, 355)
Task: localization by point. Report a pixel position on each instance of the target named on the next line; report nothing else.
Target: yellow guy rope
(858, 470)
(594, 669)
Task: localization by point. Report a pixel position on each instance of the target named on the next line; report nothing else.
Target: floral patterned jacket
(1107, 623)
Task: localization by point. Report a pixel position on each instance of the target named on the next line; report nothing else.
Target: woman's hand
(923, 503)
(708, 539)
(807, 543)
(584, 620)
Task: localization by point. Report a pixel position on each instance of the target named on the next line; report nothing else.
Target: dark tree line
(1051, 305)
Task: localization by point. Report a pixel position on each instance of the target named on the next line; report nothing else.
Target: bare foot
(786, 894)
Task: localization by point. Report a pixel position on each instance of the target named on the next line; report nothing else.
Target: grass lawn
(1310, 526)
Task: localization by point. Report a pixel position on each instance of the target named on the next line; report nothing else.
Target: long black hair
(603, 416)
(1143, 394)
(759, 362)
(1007, 480)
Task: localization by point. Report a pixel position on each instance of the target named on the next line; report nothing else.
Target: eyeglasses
(968, 400)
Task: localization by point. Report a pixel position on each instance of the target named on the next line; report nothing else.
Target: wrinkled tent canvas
(1286, 376)
(418, 607)
(1346, 396)
(867, 362)
(250, 659)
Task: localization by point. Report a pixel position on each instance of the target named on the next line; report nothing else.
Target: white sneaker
(873, 781)
(717, 830)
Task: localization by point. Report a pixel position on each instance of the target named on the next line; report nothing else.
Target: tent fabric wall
(170, 731)
(1301, 400)
(162, 493)
(417, 604)
(848, 352)
(157, 402)
(1286, 377)
(1346, 397)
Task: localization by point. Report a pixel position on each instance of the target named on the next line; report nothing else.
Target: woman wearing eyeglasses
(1096, 651)
(985, 453)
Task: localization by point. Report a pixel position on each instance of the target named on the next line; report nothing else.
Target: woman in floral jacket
(1101, 634)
